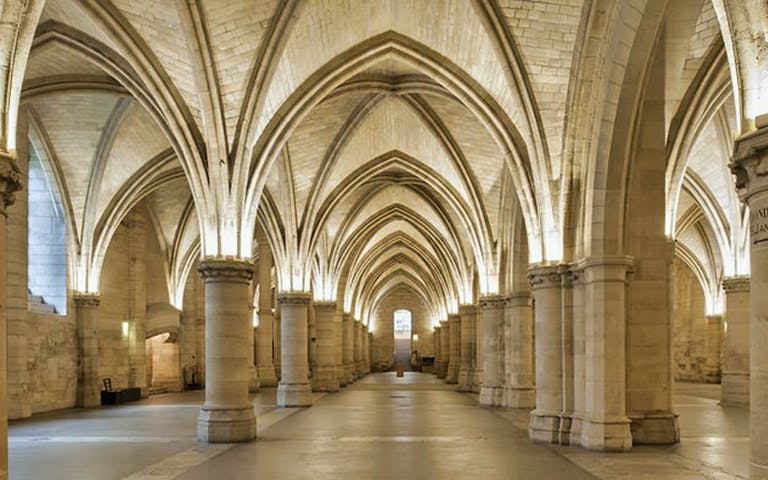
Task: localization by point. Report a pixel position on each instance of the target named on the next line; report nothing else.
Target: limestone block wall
(689, 325)
(41, 347)
(52, 362)
(383, 343)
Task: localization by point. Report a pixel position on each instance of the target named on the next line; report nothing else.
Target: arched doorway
(403, 330)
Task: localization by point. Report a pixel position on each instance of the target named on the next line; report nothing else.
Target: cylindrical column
(467, 364)
(519, 391)
(311, 341)
(10, 182)
(445, 350)
(348, 347)
(358, 348)
(454, 320)
(438, 354)
(714, 346)
(277, 342)
(253, 374)
(546, 286)
(605, 425)
(227, 415)
(491, 392)
(735, 372)
(477, 381)
(749, 164)
(88, 388)
(328, 325)
(366, 350)
(294, 389)
(264, 353)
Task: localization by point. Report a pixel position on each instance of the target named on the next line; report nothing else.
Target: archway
(403, 332)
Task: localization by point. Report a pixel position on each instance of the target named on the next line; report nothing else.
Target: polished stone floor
(382, 427)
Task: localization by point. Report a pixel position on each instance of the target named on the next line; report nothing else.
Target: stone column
(88, 387)
(358, 348)
(277, 351)
(366, 351)
(328, 324)
(735, 372)
(605, 425)
(294, 389)
(348, 347)
(477, 381)
(445, 350)
(137, 303)
(452, 377)
(519, 391)
(264, 353)
(750, 165)
(579, 355)
(714, 345)
(227, 415)
(546, 287)
(253, 373)
(491, 392)
(438, 353)
(467, 364)
(311, 341)
(10, 182)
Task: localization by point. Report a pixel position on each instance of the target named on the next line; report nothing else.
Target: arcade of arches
(570, 198)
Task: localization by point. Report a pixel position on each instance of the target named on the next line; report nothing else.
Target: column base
(325, 379)
(253, 380)
(267, 377)
(477, 381)
(757, 470)
(566, 420)
(734, 390)
(278, 372)
(359, 369)
(442, 370)
(349, 371)
(659, 428)
(491, 396)
(226, 425)
(294, 395)
(519, 397)
(466, 376)
(576, 427)
(452, 374)
(544, 427)
(609, 435)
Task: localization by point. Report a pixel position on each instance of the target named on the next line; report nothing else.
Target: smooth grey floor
(382, 427)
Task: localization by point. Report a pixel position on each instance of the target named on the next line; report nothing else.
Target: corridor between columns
(381, 427)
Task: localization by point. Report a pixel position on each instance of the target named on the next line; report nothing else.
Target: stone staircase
(36, 304)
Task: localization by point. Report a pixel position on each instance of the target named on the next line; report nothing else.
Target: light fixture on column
(415, 337)
(125, 329)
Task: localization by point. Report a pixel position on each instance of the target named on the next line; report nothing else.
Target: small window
(46, 241)
(403, 324)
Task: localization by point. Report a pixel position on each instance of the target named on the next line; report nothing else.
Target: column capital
(749, 163)
(736, 284)
(521, 299)
(324, 305)
(549, 276)
(226, 269)
(605, 269)
(86, 300)
(10, 180)
(443, 323)
(454, 317)
(294, 298)
(493, 301)
(467, 309)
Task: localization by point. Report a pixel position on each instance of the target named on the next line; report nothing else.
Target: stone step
(36, 304)
(157, 390)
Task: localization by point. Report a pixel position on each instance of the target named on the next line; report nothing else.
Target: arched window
(46, 239)
(403, 324)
